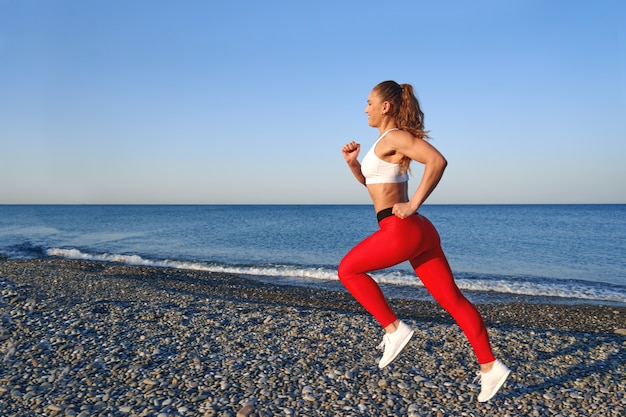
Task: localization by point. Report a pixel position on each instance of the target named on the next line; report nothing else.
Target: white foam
(508, 285)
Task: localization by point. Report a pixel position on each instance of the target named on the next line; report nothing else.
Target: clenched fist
(350, 151)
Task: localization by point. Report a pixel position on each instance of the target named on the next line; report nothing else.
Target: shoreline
(81, 281)
(94, 338)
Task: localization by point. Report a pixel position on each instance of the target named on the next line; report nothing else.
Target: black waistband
(384, 213)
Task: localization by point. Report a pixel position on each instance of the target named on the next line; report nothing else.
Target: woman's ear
(386, 107)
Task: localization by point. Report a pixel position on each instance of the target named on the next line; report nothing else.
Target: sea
(556, 254)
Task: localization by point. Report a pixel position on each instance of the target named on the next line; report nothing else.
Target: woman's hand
(350, 151)
(403, 210)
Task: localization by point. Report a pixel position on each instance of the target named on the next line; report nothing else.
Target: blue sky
(250, 101)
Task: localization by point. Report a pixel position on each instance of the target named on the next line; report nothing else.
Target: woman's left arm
(434, 163)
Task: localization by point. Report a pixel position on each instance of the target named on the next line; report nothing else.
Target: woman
(405, 235)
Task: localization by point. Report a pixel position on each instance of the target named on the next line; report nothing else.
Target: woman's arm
(434, 165)
(350, 153)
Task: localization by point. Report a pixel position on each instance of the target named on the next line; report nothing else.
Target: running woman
(404, 234)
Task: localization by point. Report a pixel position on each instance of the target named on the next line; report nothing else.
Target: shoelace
(383, 343)
(477, 378)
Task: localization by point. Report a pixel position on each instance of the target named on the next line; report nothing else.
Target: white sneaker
(393, 343)
(492, 381)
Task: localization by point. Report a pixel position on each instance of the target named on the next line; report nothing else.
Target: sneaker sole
(408, 338)
(497, 387)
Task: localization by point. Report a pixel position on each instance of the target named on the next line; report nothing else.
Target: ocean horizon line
(306, 204)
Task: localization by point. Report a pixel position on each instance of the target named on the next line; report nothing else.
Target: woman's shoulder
(401, 135)
(407, 144)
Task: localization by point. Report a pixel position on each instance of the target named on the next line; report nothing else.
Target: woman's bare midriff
(386, 195)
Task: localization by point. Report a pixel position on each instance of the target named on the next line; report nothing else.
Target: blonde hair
(405, 109)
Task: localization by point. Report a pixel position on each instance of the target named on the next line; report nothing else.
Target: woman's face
(374, 109)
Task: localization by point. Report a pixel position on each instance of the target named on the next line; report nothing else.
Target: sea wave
(527, 286)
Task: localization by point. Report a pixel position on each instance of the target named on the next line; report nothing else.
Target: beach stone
(7, 320)
(245, 411)
(576, 395)
(44, 345)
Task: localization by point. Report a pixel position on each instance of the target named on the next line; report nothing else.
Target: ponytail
(410, 116)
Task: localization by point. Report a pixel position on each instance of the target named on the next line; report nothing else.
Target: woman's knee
(344, 270)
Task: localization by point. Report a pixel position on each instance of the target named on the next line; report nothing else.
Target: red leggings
(413, 239)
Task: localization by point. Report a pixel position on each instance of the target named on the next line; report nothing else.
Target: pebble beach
(82, 338)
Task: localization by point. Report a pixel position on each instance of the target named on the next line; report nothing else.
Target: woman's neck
(391, 124)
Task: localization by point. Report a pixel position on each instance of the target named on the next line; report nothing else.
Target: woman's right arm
(350, 153)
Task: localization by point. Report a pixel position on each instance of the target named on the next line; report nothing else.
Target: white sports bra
(377, 171)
